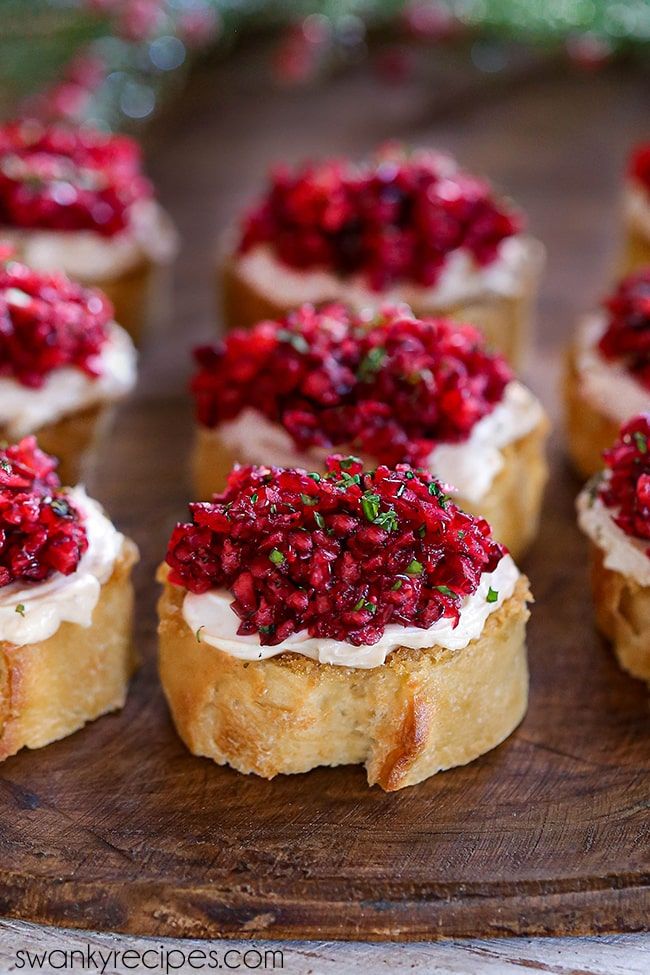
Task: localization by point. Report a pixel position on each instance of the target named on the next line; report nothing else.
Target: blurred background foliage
(115, 62)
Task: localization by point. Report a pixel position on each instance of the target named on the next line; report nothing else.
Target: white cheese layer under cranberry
(212, 621)
(606, 384)
(621, 552)
(470, 466)
(520, 259)
(30, 613)
(24, 409)
(90, 257)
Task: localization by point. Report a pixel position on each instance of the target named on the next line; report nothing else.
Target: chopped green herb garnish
(437, 492)
(266, 630)
(60, 507)
(422, 530)
(318, 518)
(387, 520)
(346, 462)
(370, 505)
(641, 441)
(276, 556)
(371, 363)
(294, 339)
(492, 595)
(446, 591)
(396, 585)
(308, 500)
(20, 608)
(414, 568)
(254, 498)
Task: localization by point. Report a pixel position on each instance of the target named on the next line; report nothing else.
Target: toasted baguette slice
(512, 505)
(588, 431)
(506, 321)
(420, 712)
(622, 609)
(52, 688)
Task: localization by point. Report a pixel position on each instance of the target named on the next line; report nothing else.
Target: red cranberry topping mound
(395, 219)
(41, 532)
(340, 555)
(639, 165)
(627, 337)
(47, 322)
(390, 388)
(626, 486)
(59, 178)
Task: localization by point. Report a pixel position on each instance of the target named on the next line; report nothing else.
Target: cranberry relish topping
(639, 165)
(57, 178)
(340, 555)
(395, 219)
(627, 337)
(390, 388)
(47, 322)
(41, 532)
(626, 486)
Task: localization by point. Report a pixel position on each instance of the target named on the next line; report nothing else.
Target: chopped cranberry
(395, 219)
(626, 486)
(47, 322)
(340, 555)
(628, 331)
(41, 532)
(59, 178)
(390, 388)
(639, 164)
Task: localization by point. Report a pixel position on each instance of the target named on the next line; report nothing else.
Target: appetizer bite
(608, 375)
(614, 512)
(347, 617)
(66, 604)
(390, 388)
(636, 209)
(403, 227)
(76, 200)
(64, 362)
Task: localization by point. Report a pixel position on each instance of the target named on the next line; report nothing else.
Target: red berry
(639, 164)
(627, 486)
(47, 322)
(627, 337)
(391, 389)
(60, 178)
(41, 532)
(340, 555)
(393, 220)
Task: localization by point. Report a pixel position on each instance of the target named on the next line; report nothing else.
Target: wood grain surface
(118, 828)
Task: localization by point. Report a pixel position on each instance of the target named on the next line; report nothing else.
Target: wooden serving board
(119, 828)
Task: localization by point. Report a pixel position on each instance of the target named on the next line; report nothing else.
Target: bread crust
(506, 321)
(512, 505)
(52, 688)
(131, 294)
(636, 253)
(622, 609)
(72, 439)
(588, 431)
(420, 712)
